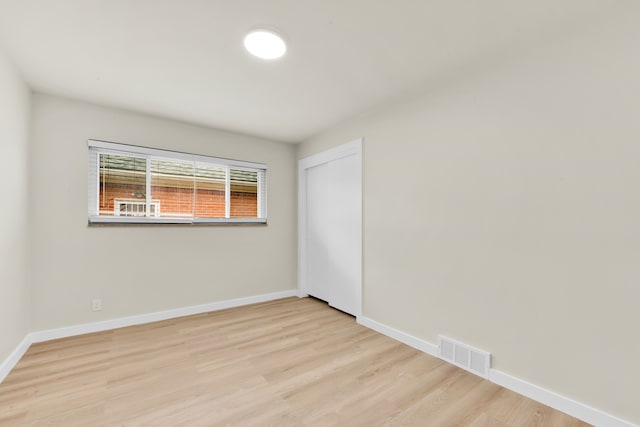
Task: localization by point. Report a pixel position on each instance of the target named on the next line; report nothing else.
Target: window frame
(97, 147)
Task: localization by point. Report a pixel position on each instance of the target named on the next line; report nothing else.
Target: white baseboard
(561, 403)
(547, 397)
(7, 365)
(105, 325)
(403, 337)
(39, 336)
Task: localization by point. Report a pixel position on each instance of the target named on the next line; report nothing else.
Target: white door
(331, 227)
(317, 231)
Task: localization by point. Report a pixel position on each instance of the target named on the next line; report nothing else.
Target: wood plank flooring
(291, 362)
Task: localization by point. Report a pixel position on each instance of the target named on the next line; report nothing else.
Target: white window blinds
(143, 185)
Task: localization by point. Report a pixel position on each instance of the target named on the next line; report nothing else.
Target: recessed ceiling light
(265, 44)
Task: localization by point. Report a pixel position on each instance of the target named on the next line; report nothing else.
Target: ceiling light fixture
(265, 44)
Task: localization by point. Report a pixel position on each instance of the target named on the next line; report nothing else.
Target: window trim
(97, 147)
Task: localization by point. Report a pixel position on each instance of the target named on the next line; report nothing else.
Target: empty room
(320, 213)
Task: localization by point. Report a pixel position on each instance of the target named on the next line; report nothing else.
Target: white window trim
(97, 147)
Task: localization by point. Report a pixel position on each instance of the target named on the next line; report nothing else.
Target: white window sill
(187, 221)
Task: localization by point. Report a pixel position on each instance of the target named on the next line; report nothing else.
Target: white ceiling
(184, 59)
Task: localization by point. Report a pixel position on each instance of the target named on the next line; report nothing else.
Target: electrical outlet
(96, 304)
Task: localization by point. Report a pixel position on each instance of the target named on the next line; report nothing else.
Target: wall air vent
(471, 359)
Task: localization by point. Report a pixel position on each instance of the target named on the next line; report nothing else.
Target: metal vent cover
(469, 358)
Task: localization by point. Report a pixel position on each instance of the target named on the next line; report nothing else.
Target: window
(144, 185)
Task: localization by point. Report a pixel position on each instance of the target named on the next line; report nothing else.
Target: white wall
(502, 208)
(14, 283)
(142, 269)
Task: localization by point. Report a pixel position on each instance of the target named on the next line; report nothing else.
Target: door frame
(344, 150)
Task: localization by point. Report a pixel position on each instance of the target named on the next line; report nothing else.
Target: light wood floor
(292, 362)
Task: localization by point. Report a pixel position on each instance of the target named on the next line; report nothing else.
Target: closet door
(330, 224)
(317, 232)
(344, 233)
